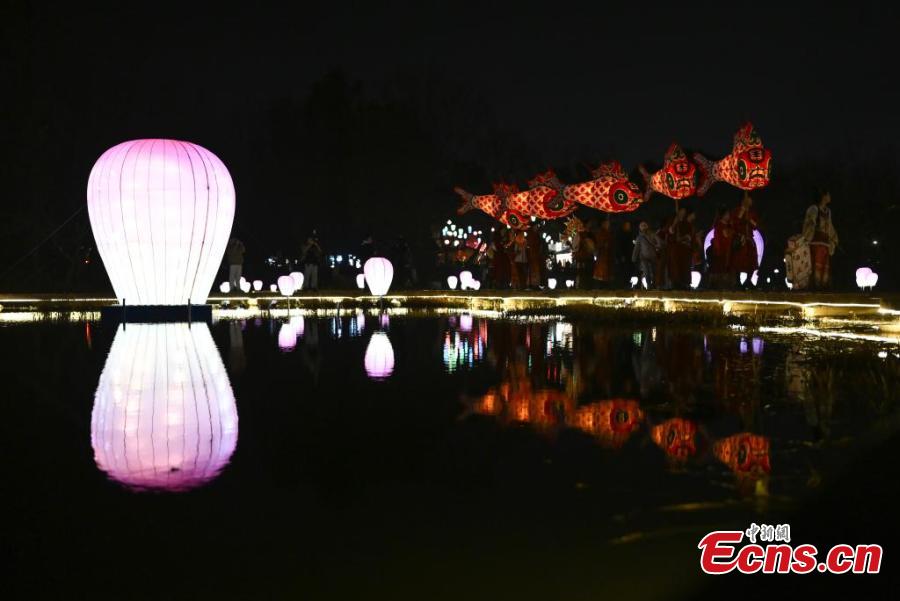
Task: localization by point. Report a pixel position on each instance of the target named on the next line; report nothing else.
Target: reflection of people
(819, 233)
(237, 359)
(235, 254)
(311, 257)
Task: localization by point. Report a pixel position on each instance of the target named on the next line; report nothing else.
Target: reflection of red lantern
(612, 422)
(677, 438)
(747, 455)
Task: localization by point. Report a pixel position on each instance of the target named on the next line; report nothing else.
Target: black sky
(568, 79)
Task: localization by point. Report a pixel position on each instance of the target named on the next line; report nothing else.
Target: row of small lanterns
(377, 274)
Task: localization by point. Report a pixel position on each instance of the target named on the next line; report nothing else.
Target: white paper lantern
(273, 288)
(696, 276)
(286, 285)
(872, 280)
(754, 277)
(379, 359)
(570, 283)
(298, 280)
(361, 281)
(465, 280)
(475, 284)
(634, 281)
(551, 283)
(257, 285)
(164, 415)
(224, 287)
(743, 277)
(379, 273)
(287, 337)
(644, 283)
(245, 286)
(452, 281)
(161, 213)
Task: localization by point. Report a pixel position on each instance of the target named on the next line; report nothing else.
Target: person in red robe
(534, 251)
(500, 267)
(680, 240)
(743, 255)
(603, 251)
(720, 251)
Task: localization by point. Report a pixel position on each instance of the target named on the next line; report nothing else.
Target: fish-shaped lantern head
(753, 162)
(680, 173)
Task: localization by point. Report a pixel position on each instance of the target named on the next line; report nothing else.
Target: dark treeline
(352, 159)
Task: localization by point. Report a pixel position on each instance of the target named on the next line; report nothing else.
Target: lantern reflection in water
(612, 422)
(677, 438)
(379, 360)
(747, 455)
(164, 413)
(464, 347)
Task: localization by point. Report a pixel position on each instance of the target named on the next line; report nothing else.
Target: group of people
(663, 257)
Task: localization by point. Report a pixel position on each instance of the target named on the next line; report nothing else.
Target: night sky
(431, 95)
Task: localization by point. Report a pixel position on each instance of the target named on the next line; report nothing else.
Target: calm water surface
(441, 456)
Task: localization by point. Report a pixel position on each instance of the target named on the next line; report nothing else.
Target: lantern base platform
(157, 313)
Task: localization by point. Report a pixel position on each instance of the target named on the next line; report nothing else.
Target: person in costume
(819, 233)
(645, 253)
(680, 236)
(743, 255)
(719, 258)
(603, 251)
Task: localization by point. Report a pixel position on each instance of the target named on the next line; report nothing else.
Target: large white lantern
(286, 285)
(298, 280)
(379, 273)
(379, 360)
(164, 415)
(287, 337)
(161, 213)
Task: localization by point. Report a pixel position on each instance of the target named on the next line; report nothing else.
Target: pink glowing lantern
(361, 281)
(287, 337)
(298, 280)
(866, 278)
(299, 325)
(696, 276)
(161, 213)
(257, 285)
(379, 359)
(379, 273)
(286, 285)
(164, 415)
(452, 281)
(475, 284)
(224, 287)
(273, 288)
(465, 280)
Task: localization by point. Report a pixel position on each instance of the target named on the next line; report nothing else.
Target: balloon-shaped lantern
(161, 213)
(379, 273)
(257, 285)
(361, 281)
(286, 285)
(379, 360)
(298, 280)
(164, 415)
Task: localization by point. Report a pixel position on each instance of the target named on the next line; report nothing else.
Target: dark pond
(441, 456)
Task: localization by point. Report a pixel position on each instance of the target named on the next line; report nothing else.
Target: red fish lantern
(612, 422)
(677, 438)
(748, 166)
(610, 190)
(514, 208)
(677, 179)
